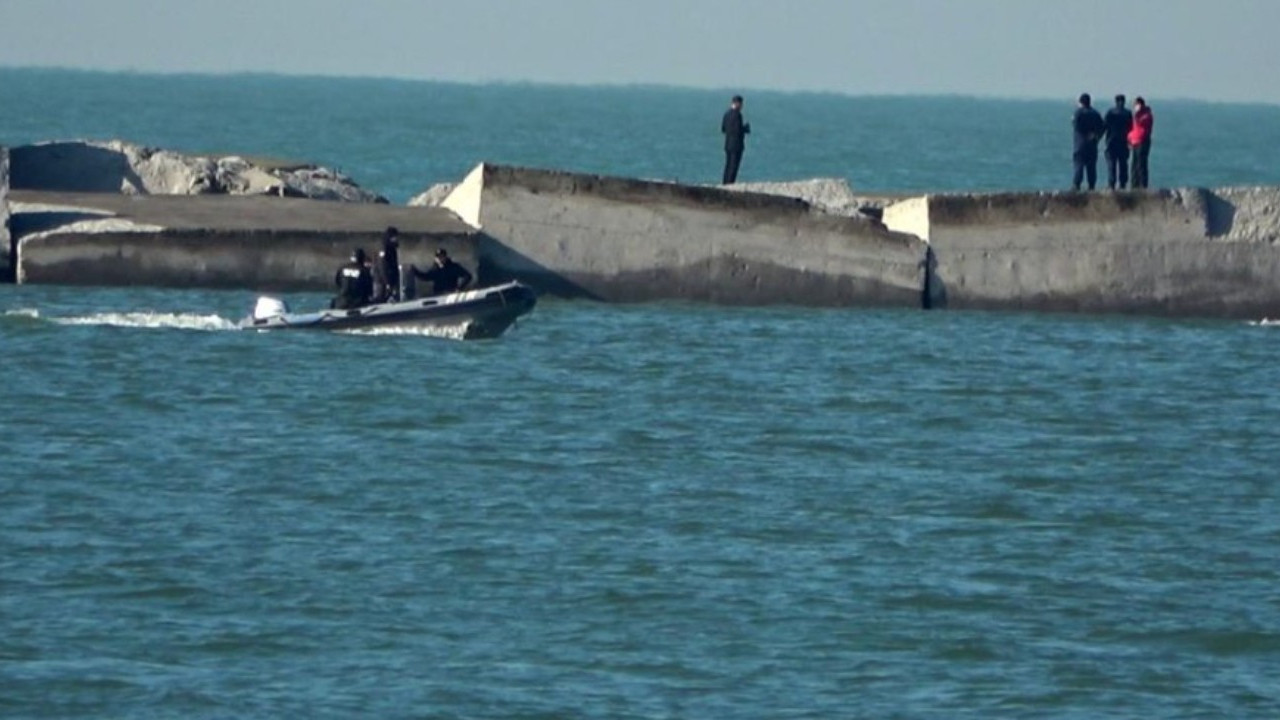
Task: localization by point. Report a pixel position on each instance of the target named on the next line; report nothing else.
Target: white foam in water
(448, 332)
(151, 320)
(1266, 322)
(23, 312)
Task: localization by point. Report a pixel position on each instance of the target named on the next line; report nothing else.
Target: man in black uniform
(735, 139)
(386, 271)
(1087, 126)
(1118, 122)
(447, 276)
(355, 283)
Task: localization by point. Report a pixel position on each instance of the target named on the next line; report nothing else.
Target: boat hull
(474, 314)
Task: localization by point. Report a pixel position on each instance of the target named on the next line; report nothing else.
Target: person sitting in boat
(447, 276)
(386, 271)
(355, 283)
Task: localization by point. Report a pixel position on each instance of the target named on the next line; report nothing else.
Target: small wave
(1266, 322)
(22, 313)
(151, 320)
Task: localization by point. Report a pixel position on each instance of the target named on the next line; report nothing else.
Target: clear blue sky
(1204, 49)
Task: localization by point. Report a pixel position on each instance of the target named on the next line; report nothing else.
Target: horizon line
(501, 82)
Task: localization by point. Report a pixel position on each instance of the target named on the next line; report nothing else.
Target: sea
(660, 510)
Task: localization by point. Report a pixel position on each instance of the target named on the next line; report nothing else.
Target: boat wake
(448, 332)
(150, 320)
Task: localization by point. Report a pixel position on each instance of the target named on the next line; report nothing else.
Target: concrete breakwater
(1193, 252)
(617, 239)
(1189, 252)
(259, 243)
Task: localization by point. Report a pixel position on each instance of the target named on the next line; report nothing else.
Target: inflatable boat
(474, 314)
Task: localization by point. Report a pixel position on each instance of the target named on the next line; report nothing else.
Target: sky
(1219, 50)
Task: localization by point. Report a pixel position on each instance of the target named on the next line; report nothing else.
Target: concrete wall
(1170, 252)
(216, 241)
(618, 239)
(6, 247)
(257, 260)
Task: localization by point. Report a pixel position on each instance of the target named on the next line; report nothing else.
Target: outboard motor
(269, 307)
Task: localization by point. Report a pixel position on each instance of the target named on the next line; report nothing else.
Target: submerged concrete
(259, 243)
(618, 239)
(1189, 252)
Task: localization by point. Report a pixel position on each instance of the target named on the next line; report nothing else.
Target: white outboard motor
(269, 307)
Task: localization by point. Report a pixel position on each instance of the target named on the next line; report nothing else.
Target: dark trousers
(732, 159)
(1140, 155)
(1118, 167)
(1086, 165)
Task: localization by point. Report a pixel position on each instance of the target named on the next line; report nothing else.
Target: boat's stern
(264, 311)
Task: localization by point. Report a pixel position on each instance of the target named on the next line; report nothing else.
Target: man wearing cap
(386, 271)
(355, 283)
(446, 276)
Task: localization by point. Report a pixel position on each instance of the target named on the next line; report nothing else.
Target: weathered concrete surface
(1171, 252)
(832, 195)
(6, 247)
(257, 243)
(120, 167)
(619, 239)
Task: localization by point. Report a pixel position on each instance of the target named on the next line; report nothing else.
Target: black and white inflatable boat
(473, 314)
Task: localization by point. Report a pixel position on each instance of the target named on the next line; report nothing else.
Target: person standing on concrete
(355, 283)
(1140, 140)
(1088, 128)
(735, 139)
(1118, 121)
(447, 276)
(386, 271)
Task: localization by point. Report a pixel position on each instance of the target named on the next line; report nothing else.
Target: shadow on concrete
(1220, 215)
(933, 293)
(497, 263)
(71, 167)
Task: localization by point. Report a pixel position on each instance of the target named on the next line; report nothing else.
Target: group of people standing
(362, 283)
(1126, 133)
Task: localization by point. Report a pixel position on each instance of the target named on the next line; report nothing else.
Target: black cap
(358, 254)
(1085, 99)
(737, 98)
(391, 232)
(441, 253)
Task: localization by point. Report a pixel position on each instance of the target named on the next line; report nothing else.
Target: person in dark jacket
(447, 276)
(1118, 122)
(735, 139)
(386, 271)
(355, 283)
(1140, 140)
(1087, 127)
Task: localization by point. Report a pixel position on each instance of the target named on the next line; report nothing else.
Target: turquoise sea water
(400, 137)
(651, 511)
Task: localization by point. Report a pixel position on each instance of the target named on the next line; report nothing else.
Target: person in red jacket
(1140, 141)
